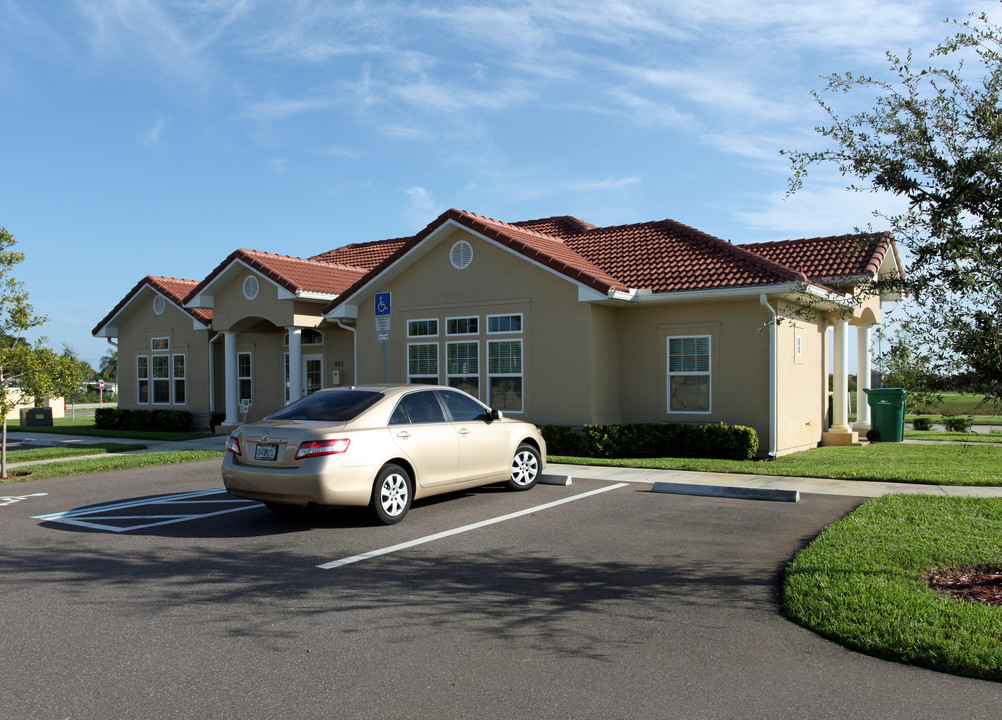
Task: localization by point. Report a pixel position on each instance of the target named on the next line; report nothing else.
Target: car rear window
(329, 406)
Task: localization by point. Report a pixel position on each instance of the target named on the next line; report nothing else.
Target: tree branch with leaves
(934, 138)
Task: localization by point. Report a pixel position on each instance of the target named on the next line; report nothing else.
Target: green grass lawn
(85, 426)
(860, 583)
(48, 453)
(106, 463)
(939, 464)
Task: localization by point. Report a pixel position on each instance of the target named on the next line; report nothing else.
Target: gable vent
(159, 304)
(461, 255)
(251, 287)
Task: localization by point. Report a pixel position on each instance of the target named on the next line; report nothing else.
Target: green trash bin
(887, 414)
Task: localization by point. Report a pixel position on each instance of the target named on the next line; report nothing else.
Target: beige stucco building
(553, 320)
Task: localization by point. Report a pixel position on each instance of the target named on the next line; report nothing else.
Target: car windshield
(329, 406)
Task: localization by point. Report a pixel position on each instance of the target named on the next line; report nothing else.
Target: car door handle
(464, 431)
(403, 434)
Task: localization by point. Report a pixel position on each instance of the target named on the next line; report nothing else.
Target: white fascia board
(107, 331)
(318, 296)
(644, 298)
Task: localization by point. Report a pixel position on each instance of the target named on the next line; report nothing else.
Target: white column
(841, 380)
(295, 364)
(862, 377)
(230, 371)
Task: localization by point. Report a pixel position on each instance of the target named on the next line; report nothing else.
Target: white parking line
(466, 528)
(86, 517)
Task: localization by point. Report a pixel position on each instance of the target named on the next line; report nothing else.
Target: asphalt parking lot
(149, 593)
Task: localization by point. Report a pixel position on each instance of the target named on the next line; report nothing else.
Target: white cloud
(422, 208)
(826, 208)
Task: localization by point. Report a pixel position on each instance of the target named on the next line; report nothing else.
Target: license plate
(266, 452)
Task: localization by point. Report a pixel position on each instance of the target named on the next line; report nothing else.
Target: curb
(741, 493)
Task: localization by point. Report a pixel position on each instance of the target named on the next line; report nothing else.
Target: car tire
(525, 468)
(392, 493)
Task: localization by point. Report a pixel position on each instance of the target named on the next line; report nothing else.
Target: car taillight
(233, 445)
(312, 448)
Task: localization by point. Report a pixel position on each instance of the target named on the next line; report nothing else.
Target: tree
(108, 369)
(23, 366)
(934, 138)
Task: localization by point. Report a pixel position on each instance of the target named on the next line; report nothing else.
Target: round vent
(251, 287)
(461, 255)
(159, 304)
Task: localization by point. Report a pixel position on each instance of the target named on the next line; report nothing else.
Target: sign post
(382, 307)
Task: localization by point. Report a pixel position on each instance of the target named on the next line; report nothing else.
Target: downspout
(354, 350)
(772, 375)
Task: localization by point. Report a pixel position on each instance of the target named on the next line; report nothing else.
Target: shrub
(922, 423)
(958, 424)
(640, 440)
(148, 420)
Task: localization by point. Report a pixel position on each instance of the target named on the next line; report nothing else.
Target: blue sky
(143, 137)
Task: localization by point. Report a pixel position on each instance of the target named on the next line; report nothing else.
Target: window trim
(475, 374)
(155, 381)
(183, 378)
(412, 334)
(142, 379)
(521, 374)
(468, 333)
(249, 377)
(521, 324)
(708, 374)
(423, 377)
(166, 344)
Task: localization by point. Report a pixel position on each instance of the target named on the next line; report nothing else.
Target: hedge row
(647, 440)
(153, 420)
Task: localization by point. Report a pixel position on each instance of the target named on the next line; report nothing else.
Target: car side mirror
(494, 415)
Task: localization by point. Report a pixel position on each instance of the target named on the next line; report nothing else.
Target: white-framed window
(497, 324)
(142, 379)
(462, 366)
(422, 328)
(178, 371)
(422, 363)
(161, 379)
(308, 336)
(462, 325)
(160, 344)
(244, 376)
(504, 374)
(689, 374)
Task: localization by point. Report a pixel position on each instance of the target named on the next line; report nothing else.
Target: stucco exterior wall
(801, 386)
(738, 362)
(560, 363)
(136, 333)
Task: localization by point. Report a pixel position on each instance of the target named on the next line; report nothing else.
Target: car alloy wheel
(391, 494)
(524, 468)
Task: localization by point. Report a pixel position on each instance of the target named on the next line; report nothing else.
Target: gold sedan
(381, 446)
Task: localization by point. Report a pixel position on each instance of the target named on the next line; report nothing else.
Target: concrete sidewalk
(857, 488)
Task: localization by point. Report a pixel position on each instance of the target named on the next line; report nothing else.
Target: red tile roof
(827, 258)
(173, 289)
(292, 273)
(361, 255)
(663, 256)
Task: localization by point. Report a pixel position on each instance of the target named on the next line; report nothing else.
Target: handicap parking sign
(382, 304)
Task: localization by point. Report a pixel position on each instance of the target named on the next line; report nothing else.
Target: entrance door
(313, 372)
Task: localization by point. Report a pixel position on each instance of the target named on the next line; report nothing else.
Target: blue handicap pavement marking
(151, 512)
